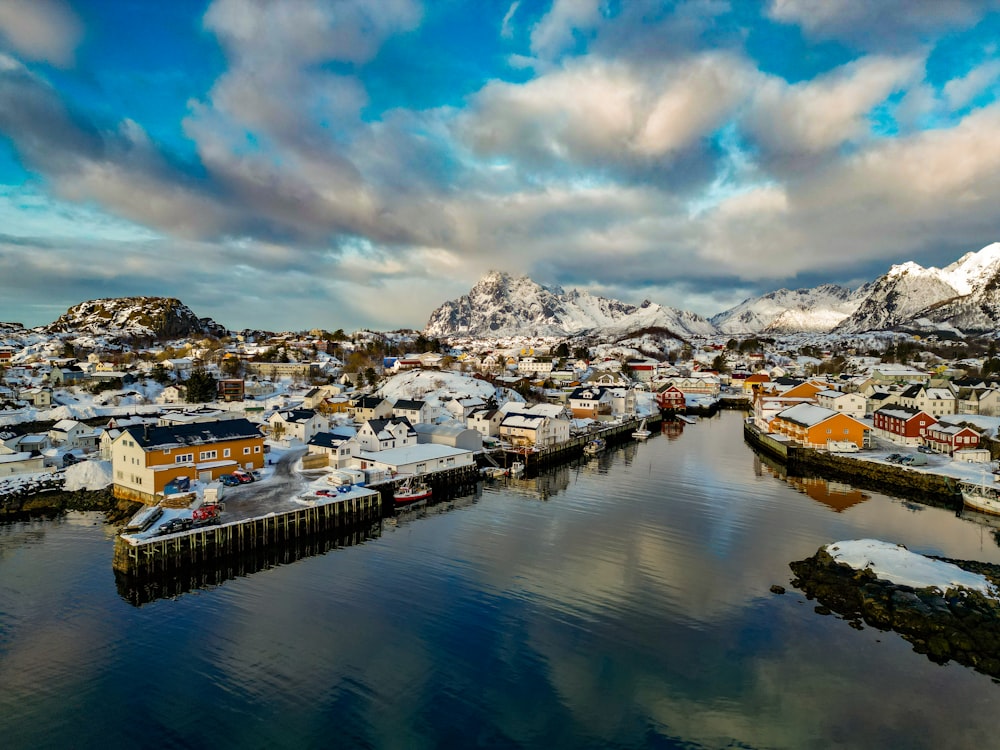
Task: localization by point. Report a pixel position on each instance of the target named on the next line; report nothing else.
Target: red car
(244, 477)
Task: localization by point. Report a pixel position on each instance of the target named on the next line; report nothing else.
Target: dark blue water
(620, 602)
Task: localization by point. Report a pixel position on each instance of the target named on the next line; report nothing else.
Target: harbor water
(622, 600)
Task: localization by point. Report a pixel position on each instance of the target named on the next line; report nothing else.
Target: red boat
(409, 492)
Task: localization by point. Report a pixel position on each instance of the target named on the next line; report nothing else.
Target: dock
(573, 448)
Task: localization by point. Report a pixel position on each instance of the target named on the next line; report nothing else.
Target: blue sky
(349, 163)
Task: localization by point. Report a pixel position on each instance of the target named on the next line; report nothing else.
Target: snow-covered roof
(807, 414)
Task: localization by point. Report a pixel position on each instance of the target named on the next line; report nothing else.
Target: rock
(776, 589)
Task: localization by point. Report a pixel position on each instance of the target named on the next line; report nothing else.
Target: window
(166, 451)
(225, 453)
(208, 455)
(256, 449)
(184, 458)
(246, 451)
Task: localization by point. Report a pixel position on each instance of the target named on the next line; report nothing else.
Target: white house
(853, 404)
(534, 429)
(415, 459)
(296, 424)
(69, 434)
(414, 411)
(384, 434)
(485, 421)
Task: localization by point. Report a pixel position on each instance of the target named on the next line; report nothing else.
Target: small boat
(409, 492)
(595, 446)
(516, 469)
(982, 497)
(641, 433)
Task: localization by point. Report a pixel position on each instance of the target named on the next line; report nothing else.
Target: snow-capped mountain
(503, 305)
(786, 311)
(137, 316)
(960, 296)
(897, 298)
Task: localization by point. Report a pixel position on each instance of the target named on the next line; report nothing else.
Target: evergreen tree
(201, 387)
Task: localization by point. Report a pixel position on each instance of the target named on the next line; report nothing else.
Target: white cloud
(554, 32)
(41, 29)
(960, 91)
(506, 26)
(819, 115)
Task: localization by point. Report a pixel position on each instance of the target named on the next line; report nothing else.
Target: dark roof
(327, 440)
(297, 415)
(196, 433)
(408, 404)
(911, 392)
(378, 425)
(367, 402)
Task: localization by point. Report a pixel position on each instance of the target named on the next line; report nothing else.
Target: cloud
(44, 30)
(554, 33)
(822, 114)
(605, 114)
(506, 27)
(882, 24)
(959, 92)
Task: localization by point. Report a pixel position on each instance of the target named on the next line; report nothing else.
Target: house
(671, 398)
(173, 394)
(485, 421)
(450, 433)
(338, 448)
(537, 430)
(69, 434)
(534, 366)
(144, 459)
(415, 459)
(982, 401)
(383, 434)
(948, 438)
(296, 425)
(753, 381)
(643, 370)
(814, 426)
(902, 425)
(415, 411)
(39, 397)
(935, 401)
(590, 402)
(852, 404)
(66, 376)
(231, 389)
(181, 366)
(460, 408)
(21, 462)
(364, 408)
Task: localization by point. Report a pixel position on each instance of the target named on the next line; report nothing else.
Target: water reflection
(838, 496)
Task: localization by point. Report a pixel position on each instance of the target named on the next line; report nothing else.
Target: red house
(902, 425)
(671, 398)
(947, 438)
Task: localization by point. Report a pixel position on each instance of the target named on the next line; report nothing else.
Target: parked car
(243, 477)
(229, 480)
(176, 524)
(893, 457)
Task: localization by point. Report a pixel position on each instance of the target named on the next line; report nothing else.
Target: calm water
(621, 602)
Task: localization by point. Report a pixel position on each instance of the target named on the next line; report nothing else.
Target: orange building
(144, 459)
(815, 426)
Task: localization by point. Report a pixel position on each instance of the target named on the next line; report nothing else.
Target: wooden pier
(573, 448)
(137, 556)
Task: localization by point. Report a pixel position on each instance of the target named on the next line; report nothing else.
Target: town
(179, 417)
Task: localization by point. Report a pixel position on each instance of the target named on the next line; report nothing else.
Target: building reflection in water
(837, 496)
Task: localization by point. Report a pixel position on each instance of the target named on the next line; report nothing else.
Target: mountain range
(960, 297)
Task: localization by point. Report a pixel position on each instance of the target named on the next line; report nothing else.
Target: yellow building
(144, 459)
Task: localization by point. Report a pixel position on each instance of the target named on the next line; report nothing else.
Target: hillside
(160, 317)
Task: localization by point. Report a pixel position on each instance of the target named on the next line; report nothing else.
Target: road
(276, 494)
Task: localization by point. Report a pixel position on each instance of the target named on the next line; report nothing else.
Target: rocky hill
(160, 317)
(503, 305)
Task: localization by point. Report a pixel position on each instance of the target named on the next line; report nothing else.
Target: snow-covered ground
(893, 562)
(88, 475)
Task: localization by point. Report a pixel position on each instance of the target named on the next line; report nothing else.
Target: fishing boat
(409, 492)
(641, 433)
(595, 446)
(982, 497)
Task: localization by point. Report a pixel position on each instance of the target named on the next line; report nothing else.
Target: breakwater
(929, 488)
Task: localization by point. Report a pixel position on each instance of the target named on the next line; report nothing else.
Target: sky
(355, 163)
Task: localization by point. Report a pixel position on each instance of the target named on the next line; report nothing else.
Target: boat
(595, 446)
(410, 492)
(641, 433)
(982, 497)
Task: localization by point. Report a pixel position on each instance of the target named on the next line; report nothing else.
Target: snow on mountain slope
(503, 305)
(973, 270)
(151, 316)
(897, 298)
(808, 310)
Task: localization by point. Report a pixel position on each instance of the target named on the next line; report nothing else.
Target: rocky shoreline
(20, 506)
(956, 624)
